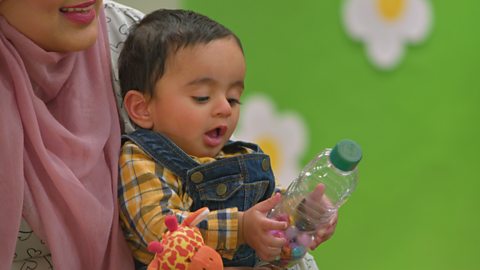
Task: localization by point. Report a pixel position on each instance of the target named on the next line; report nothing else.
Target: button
(221, 189)
(265, 164)
(196, 177)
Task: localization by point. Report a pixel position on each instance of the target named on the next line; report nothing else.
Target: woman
(60, 133)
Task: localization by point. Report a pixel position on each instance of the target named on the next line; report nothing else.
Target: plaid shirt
(148, 192)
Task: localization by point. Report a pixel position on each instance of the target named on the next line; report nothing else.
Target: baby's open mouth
(214, 137)
(217, 132)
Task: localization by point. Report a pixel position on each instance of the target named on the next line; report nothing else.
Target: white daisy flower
(280, 135)
(386, 26)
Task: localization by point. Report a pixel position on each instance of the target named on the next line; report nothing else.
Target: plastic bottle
(337, 170)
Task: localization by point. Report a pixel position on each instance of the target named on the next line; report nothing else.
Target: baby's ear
(136, 106)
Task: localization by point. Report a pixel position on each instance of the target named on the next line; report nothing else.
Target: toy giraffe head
(182, 247)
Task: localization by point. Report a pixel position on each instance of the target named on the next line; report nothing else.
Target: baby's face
(196, 101)
(55, 25)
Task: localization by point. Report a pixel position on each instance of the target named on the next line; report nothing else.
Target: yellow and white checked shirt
(148, 192)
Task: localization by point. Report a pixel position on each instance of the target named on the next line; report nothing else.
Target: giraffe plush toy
(182, 247)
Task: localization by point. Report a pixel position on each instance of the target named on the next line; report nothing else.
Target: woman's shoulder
(118, 11)
(119, 20)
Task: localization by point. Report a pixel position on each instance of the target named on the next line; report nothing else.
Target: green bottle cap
(346, 155)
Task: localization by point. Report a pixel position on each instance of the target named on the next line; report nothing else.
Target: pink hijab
(60, 137)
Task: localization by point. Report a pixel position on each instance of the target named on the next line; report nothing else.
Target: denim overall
(240, 181)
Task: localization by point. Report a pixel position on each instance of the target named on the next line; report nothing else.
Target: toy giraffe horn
(171, 223)
(196, 217)
(155, 247)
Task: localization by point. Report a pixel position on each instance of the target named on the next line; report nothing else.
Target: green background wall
(417, 205)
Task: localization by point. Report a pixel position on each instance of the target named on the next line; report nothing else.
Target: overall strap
(163, 151)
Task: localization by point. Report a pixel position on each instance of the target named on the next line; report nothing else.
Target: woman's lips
(83, 13)
(82, 5)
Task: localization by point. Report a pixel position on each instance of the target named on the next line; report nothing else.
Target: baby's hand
(256, 229)
(315, 206)
(324, 233)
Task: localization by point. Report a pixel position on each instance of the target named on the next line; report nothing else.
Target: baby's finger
(271, 225)
(316, 242)
(317, 193)
(274, 240)
(269, 204)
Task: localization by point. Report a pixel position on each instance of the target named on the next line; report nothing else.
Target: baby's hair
(160, 35)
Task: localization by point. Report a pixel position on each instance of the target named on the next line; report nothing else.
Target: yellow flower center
(272, 148)
(391, 9)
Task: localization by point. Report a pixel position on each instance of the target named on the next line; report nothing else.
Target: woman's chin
(78, 40)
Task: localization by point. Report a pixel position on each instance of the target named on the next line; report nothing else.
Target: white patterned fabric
(119, 20)
(307, 263)
(31, 252)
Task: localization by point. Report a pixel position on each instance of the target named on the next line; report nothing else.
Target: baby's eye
(234, 101)
(201, 99)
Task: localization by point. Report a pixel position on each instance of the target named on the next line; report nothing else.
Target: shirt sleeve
(148, 192)
(221, 231)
